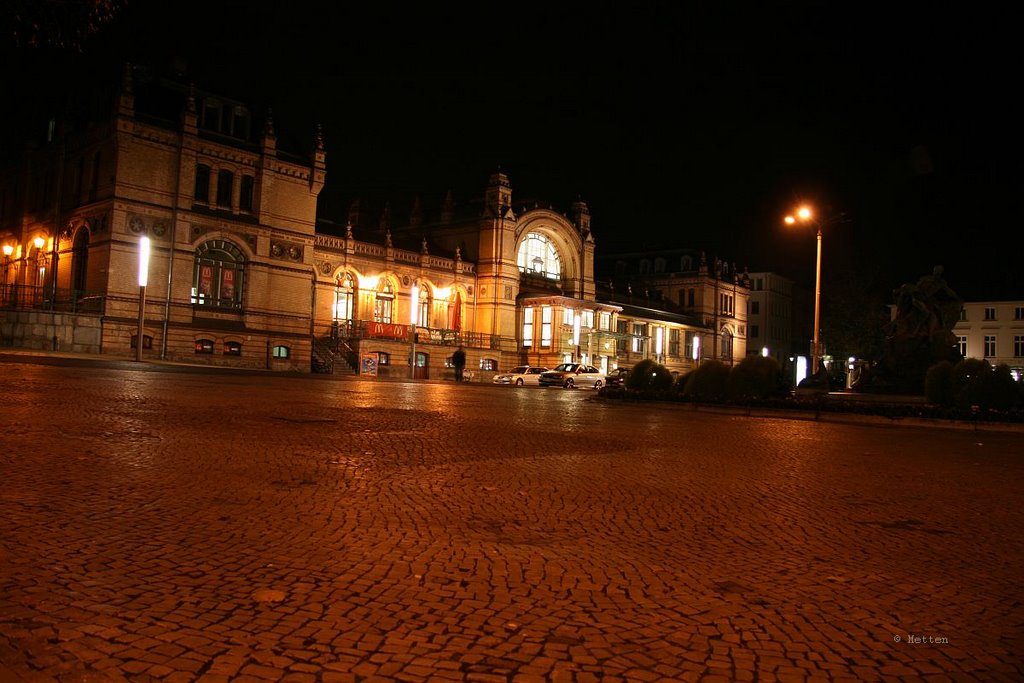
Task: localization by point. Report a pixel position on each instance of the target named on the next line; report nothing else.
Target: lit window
(527, 326)
(423, 317)
(384, 302)
(344, 298)
(383, 358)
(217, 279)
(587, 319)
(232, 348)
(638, 339)
(604, 320)
(545, 326)
(568, 316)
(489, 364)
(204, 346)
(961, 343)
(537, 255)
(281, 352)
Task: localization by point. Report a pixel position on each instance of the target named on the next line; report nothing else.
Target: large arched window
(537, 255)
(384, 302)
(344, 298)
(218, 277)
(423, 311)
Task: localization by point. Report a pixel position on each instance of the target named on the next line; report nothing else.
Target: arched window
(645, 266)
(537, 255)
(659, 265)
(384, 302)
(344, 298)
(686, 263)
(281, 352)
(423, 314)
(218, 277)
(726, 345)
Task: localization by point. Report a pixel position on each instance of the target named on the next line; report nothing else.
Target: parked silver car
(571, 375)
(518, 376)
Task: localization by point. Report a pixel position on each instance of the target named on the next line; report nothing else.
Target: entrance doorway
(421, 366)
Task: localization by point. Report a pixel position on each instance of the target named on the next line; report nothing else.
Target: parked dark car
(617, 377)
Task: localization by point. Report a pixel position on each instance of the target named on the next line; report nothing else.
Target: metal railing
(31, 297)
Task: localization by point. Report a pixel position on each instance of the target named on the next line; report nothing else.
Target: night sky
(680, 127)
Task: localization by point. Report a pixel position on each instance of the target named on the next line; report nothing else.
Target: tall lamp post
(805, 215)
(143, 281)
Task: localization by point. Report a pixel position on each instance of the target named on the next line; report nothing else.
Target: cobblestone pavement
(166, 526)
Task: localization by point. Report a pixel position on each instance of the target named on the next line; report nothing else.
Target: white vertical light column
(143, 281)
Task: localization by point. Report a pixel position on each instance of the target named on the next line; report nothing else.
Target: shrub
(649, 375)
(707, 381)
(755, 377)
(938, 384)
(680, 385)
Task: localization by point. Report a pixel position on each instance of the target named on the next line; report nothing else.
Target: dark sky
(680, 126)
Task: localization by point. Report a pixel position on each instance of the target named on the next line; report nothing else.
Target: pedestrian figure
(459, 363)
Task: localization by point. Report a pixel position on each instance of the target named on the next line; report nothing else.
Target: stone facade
(241, 273)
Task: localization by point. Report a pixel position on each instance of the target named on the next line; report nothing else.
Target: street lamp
(143, 281)
(805, 215)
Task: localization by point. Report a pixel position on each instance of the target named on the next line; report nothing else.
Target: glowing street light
(143, 281)
(805, 215)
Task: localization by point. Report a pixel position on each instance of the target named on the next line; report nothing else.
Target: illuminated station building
(241, 272)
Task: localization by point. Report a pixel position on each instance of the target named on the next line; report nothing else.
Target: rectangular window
(488, 365)
(755, 331)
(202, 189)
(545, 326)
(688, 350)
(382, 307)
(620, 342)
(568, 316)
(383, 358)
(963, 314)
(638, 339)
(587, 321)
(1018, 313)
(1018, 346)
(604, 320)
(990, 314)
(725, 304)
(527, 327)
(990, 346)
(245, 198)
(224, 189)
(755, 307)
(690, 297)
(673, 343)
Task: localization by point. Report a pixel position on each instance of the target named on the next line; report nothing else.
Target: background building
(993, 330)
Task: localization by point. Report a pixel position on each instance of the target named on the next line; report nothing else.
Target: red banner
(205, 279)
(227, 284)
(389, 330)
